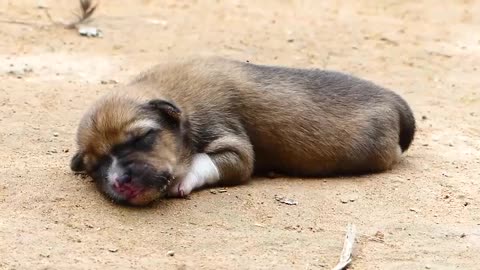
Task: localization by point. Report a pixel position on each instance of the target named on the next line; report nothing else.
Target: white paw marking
(202, 172)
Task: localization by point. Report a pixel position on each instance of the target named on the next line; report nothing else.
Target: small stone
(108, 82)
(222, 190)
(466, 204)
(414, 210)
(113, 250)
(285, 200)
(379, 235)
(66, 150)
(291, 40)
(424, 117)
(90, 32)
(344, 200)
(427, 267)
(55, 134)
(463, 235)
(213, 191)
(171, 253)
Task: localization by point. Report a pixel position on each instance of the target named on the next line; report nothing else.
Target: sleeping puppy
(211, 121)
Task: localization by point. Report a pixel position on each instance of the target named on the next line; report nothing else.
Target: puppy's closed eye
(138, 142)
(146, 140)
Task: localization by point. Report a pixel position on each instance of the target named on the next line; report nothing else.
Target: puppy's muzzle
(136, 178)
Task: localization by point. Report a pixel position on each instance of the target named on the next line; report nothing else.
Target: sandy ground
(424, 214)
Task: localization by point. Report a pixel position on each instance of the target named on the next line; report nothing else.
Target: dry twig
(87, 7)
(346, 255)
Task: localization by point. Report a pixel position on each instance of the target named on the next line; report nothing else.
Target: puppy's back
(299, 121)
(324, 121)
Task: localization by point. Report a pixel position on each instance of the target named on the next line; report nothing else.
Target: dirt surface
(424, 214)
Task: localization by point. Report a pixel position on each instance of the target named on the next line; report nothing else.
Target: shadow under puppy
(212, 121)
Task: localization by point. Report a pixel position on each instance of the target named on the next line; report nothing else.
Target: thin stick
(87, 7)
(346, 255)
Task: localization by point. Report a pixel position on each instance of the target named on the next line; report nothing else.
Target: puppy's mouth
(134, 194)
(137, 193)
(128, 190)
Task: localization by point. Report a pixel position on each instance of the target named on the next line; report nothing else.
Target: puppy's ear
(77, 164)
(170, 110)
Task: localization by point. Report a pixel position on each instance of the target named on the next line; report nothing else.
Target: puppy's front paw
(183, 188)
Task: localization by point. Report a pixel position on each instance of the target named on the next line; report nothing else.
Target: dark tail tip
(407, 125)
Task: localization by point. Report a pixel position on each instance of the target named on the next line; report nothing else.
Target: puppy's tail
(407, 124)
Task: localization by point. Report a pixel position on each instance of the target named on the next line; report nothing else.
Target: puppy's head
(130, 148)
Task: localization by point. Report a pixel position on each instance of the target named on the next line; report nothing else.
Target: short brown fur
(256, 119)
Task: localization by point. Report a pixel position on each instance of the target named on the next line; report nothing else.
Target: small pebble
(108, 82)
(379, 235)
(171, 253)
(414, 210)
(113, 250)
(463, 235)
(285, 200)
(424, 117)
(55, 134)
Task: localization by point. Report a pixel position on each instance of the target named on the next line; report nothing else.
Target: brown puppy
(205, 121)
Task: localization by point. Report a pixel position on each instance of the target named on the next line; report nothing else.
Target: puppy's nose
(126, 178)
